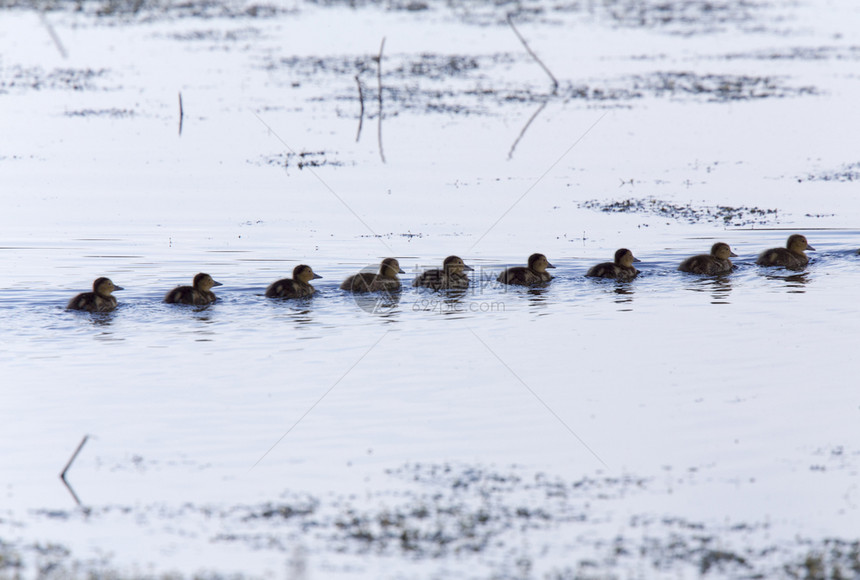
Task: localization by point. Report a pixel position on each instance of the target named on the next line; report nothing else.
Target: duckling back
(188, 295)
(199, 294)
(621, 269)
(361, 282)
(714, 264)
(296, 287)
(385, 281)
(610, 270)
(99, 300)
(705, 264)
(793, 256)
(531, 275)
(451, 276)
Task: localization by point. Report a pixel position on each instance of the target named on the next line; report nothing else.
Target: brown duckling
(621, 269)
(99, 300)
(296, 287)
(534, 273)
(450, 277)
(713, 264)
(385, 280)
(792, 256)
(198, 294)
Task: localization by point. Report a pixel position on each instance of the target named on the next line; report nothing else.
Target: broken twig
(379, 83)
(53, 33)
(68, 465)
(526, 128)
(361, 112)
(181, 113)
(534, 56)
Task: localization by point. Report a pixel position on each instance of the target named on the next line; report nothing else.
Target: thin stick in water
(379, 84)
(68, 465)
(534, 56)
(361, 112)
(181, 113)
(53, 33)
(526, 128)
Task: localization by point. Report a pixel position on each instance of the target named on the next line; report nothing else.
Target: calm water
(588, 425)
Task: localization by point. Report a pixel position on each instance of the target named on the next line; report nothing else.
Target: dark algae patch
(493, 519)
(301, 159)
(727, 215)
(18, 78)
(846, 173)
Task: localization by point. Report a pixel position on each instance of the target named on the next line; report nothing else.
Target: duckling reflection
(792, 256)
(534, 273)
(385, 280)
(713, 264)
(296, 287)
(99, 300)
(450, 277)
(199, 293)
(796, 283)
(621, 269)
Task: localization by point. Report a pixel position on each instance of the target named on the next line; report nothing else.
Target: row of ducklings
(452, 275)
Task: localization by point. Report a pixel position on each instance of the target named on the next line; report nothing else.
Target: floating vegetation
(460, 517)
(302, 159)
(799, 53)
(715, 87)
(848, 172)
(112, 113)
(727, 215)
(18, 78)
(685, 17)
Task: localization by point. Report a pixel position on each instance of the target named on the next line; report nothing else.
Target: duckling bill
(450, 277)
(99, 300)
(532, 274)
(714, 264)
(621, 269)
(792, 256)
(296, 287)
(198, 294)
(385, 280)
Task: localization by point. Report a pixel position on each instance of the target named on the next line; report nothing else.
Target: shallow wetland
(673, 426)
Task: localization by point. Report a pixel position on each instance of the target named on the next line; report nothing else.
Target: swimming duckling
(198, 294)
(296, 287)
(621, 269)
(449, 277)
(386, 279)
(534, 273)
(713, 264)
(99, 300)
(791, 256)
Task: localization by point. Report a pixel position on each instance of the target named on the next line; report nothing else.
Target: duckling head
(455, 265)
(539, 263)
(303, 273)
(798, 243)
(204, 282)
(104, 286)
(625, 258)
(722, 251)
(390, 268)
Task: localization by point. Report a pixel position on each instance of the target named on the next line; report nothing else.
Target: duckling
(621, 269)
(449, 277)
(198, 294)
(99, 300)
(386, 279)
(792, 256)
(297, 287)
(534, 273)
(713, 264)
